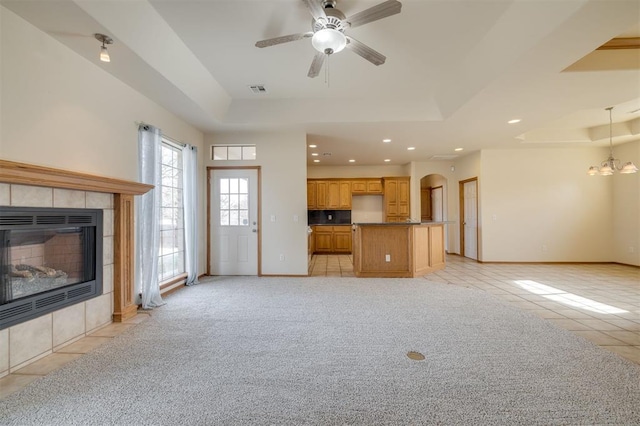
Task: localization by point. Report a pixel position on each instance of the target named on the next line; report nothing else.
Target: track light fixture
(104, 54)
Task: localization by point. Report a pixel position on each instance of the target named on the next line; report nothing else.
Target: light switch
(295, 217)
(273, 218)
(387, 258)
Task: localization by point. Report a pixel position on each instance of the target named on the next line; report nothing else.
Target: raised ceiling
(456, 71)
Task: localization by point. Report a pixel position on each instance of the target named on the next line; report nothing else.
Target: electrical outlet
(281, 257)
(544, 247)
(632, 249)
(387, 258)
(295, 217)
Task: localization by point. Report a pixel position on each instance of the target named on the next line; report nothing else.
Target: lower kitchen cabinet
(332, 239)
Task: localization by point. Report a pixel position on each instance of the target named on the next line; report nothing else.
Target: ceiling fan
(328, 31)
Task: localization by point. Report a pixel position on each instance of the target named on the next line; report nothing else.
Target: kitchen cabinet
(328, 194)
(342, 239)
(332, 239)
(396, 199)
(398, 250)
(367, 186)
(345, 195)
(311, 195)
(321, 195)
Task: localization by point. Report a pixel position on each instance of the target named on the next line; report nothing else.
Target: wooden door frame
(461, 184)
(210, 169)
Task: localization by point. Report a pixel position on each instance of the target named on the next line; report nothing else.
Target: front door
(469, 214)
(233, 247)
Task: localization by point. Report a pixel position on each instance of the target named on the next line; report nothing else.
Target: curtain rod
(175, 141)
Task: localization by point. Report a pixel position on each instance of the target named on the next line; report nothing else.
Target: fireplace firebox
(50, 258)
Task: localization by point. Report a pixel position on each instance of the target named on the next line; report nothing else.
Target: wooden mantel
(124, 306)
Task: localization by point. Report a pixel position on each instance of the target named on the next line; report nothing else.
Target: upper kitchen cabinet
(396, 199)
(367, 186)
(312, 195)
(328, 194)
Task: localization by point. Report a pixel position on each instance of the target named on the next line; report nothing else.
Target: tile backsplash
(326, 217)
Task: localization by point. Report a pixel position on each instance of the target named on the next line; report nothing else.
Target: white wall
(60, 110)
(282, 158)
(539, 205)
(626, 207)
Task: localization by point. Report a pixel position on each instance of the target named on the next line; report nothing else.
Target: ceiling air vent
(258, 89)
(443, 157)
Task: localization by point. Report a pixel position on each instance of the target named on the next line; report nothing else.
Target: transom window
(233, 152)
(171, 256)
(234, 202)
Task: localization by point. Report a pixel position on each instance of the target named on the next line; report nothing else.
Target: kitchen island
(402, 250)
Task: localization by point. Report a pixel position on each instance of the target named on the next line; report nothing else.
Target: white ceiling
(456, 70)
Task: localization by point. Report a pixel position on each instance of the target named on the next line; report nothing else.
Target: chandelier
(611, 164)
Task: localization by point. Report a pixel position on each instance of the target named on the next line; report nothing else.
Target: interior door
(437, 206)
(234, 222)
(469, 214)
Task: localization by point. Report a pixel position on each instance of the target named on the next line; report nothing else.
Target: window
(233, 152)
(171, 257)
(234, 202)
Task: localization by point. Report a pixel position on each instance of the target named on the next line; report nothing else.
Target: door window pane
(234, 202)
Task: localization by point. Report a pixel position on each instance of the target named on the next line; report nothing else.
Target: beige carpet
(334, 351)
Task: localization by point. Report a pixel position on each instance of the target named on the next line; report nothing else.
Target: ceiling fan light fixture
(328, 41)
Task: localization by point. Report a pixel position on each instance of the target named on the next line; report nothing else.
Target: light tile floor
(600, 302)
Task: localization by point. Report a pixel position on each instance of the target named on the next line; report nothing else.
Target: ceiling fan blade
(283, 39)
(387, 8)
(315, 8)
(365, 51)
(316, 65)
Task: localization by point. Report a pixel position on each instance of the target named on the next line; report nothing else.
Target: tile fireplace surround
(23, 185)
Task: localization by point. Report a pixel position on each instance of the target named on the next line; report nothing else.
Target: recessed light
(316, 161)
(458, 149)
(514, 121)
(314, 154)
(386, 140)
(313, 146)
(411, 148)
(386, 160)
(352, 161)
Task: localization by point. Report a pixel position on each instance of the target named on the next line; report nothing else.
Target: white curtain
(190, 199)
(147, 217)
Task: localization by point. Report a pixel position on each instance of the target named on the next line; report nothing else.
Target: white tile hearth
(98, 200)
(29, 340)
(98, 312)
(107, 279)
(68, 198)
(31, 196)
(5, 194)
(4, 352)
(68, 324)
(107, 222)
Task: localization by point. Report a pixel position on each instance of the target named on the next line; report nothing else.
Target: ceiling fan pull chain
(326, 72)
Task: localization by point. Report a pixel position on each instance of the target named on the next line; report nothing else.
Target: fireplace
(50, 258)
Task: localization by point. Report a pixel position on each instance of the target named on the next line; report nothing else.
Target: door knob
(254, 230)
